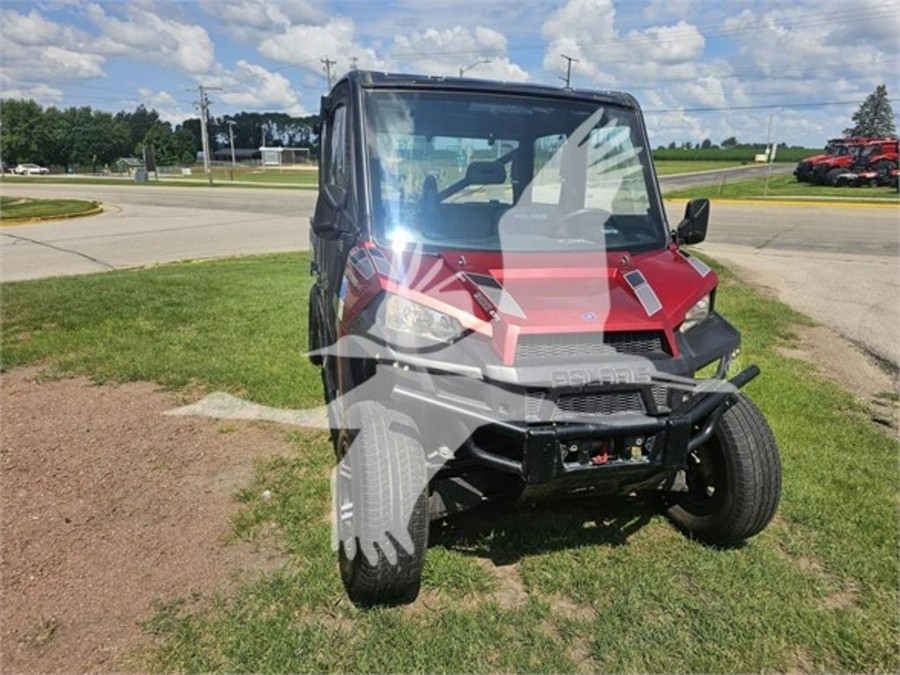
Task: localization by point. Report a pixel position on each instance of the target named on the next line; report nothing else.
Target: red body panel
(552, 292)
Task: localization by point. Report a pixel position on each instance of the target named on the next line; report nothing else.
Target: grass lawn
(593, 585)
(267, 180)
(667, 167)
(20, 208)
(783, 185)
(297, 178)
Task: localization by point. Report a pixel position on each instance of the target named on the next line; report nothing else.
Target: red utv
(500, 310)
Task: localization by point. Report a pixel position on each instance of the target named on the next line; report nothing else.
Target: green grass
(667, 167)
(783, 185)
(22, 208)
(228, 324)
(195, 181)
(735, 155)
(297, 178)
(599, 585)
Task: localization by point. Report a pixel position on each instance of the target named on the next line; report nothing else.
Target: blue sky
(701, 68)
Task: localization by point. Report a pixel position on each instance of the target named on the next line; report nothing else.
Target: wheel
(831, 178)
(884, 168)
(381, 506)
(734, 480)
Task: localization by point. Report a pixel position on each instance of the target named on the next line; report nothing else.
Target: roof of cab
(368, 79)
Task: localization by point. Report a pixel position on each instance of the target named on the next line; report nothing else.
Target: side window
(338, 149)
(615, 172)
(546, 185)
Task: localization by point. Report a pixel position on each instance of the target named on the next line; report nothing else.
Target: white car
(30, 169)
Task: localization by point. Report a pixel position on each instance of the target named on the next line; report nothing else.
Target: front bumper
(545, 447)
(613, 421)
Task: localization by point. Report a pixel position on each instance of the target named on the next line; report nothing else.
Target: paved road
(149, 225)
(836, 263)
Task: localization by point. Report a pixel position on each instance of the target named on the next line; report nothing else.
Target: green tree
(706, 144)
(169, 147)
(20, 120)
(138, 122)
(730, 142)
(93, 138)
(874, 117)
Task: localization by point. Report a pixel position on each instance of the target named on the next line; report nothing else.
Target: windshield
(495, 172)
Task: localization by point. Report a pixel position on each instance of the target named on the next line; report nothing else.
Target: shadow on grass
(506, 534)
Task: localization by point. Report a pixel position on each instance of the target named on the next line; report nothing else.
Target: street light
(463, 71)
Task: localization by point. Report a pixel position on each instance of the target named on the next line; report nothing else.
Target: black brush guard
(677, 434)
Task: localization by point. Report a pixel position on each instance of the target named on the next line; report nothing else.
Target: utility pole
(231, 124)
(568, 78)
(204, 112)
(353, 63)
(327, 63)
(769, 156)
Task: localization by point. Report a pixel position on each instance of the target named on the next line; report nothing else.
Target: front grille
(570, 406)
(534, 348)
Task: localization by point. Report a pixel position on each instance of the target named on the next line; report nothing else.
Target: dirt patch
(107, 507)
(844, 363)
(510, 592)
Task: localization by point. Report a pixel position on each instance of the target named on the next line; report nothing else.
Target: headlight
(696, 314)
(408, 318)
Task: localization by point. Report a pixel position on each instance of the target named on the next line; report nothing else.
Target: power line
(765, 106)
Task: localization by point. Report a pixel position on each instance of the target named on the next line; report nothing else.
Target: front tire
(831, 178)
(734, 480)
(381, 506)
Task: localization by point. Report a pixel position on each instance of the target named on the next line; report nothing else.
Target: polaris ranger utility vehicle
(500, 310)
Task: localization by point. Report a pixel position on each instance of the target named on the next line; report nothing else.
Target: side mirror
(692, 230)
(326, 221)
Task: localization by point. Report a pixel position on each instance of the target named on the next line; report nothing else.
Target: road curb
(64, 216)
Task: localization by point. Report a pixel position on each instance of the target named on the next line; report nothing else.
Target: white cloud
(444, 52)
(36, 51)
(306, 44)
(42, 93)
(255, 17)
(145, 34)
(255, 88)
(169, 108)
(661, 10)
(587, 30)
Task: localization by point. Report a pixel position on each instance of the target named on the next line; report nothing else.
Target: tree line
(873, 119)
(83, 137)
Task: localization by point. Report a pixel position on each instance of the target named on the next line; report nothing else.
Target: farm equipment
(836, 147)
(826, 170)
(875, 165)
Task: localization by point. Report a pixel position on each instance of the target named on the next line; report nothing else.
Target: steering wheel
(583, 224)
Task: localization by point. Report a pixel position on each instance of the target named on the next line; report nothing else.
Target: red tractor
(875, 165)
(804, 170)
(826, 170)
(836, 147)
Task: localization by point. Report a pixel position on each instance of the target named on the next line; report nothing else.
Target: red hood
(504, 294)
